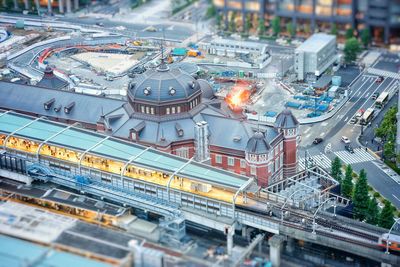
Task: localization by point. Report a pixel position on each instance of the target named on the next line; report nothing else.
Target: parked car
(345, 140)
(375, 95)
(317, 140)
(349, 148)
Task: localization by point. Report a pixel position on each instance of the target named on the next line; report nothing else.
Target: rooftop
(40, 256)
(316, 42)
(57, 134)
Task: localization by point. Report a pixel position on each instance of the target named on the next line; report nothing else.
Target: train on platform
(393, 239)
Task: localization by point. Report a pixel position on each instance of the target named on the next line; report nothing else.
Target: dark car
(375, 95)
(349, 148)
(379, 79)
(317, 141)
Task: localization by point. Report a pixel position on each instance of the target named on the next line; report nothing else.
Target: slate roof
(51, 81)
(31, 99)
(159, 83)
(286, 120)
(258, 144)
(120, 118)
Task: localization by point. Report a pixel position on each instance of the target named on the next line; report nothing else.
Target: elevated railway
(133, 175)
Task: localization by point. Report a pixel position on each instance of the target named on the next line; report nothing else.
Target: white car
(345, 140)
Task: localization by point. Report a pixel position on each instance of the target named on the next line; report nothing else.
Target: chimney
(202, 150)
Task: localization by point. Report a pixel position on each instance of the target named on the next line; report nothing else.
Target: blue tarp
(301, 97)
(293, 105)
(270, 114)
(322, 107)
(314, 114)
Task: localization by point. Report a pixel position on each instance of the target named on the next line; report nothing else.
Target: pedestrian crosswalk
(323, 161)
(359, 155)
(320, 160)
(384, 73)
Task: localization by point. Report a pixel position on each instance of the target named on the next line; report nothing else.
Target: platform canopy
(42, 130)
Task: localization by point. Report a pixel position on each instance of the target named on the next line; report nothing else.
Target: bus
(382, 100)
(367, 116)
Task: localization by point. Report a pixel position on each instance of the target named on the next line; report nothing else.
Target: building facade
(202, 128)
(382, 17)
(315, 55)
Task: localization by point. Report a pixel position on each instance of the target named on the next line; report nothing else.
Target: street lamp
(387, 239)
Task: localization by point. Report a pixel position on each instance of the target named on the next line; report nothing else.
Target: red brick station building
(172, 111)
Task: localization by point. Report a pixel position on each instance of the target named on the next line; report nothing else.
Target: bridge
(36, 149)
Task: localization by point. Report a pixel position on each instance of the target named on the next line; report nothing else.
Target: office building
(382, 17)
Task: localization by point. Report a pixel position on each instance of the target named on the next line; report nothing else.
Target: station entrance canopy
(44, 131)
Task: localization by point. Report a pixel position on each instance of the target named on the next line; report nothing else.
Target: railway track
(358, 236)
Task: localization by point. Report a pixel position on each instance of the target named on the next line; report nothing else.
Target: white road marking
(395, 197)
(345, 119)
(307, 130)
(359, 155)
(322, 134)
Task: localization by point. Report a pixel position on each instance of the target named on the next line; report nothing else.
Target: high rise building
(382, 17)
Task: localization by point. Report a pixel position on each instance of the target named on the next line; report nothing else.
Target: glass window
(178, 109)
(231, 161)
(218, 159)
(167, 110)
(142, 109)
(242, 163)
(173, 110)
(253, 170)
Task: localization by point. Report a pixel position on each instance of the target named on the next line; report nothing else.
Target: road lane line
(395, 197)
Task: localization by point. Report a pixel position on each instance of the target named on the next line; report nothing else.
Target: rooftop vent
(48, 104)
(57, 108)
(147, 90)
(179, 129)
(68, 108)
(237, 138)
(172, 90)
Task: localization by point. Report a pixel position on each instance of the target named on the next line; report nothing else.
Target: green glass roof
(96, 143)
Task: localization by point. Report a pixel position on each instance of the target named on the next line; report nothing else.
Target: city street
(333, 129)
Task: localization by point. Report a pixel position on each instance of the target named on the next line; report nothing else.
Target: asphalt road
(332, 130)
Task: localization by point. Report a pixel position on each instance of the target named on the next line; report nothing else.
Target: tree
(365, 37)
(248, 24)
(386, 219)
(336, 169)
(232, 22)
(334, 29)
(372, 212)
(347, 184)
(211, 12)
(361, 197)
(307, 29)
(218, 21)
(351, 49)
(349, 33)
(261, 26)
(290, 29)
(276, 25)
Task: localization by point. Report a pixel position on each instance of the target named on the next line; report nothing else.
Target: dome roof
(286, 120)
(163, 84)
(206, 89)
(257, 144)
